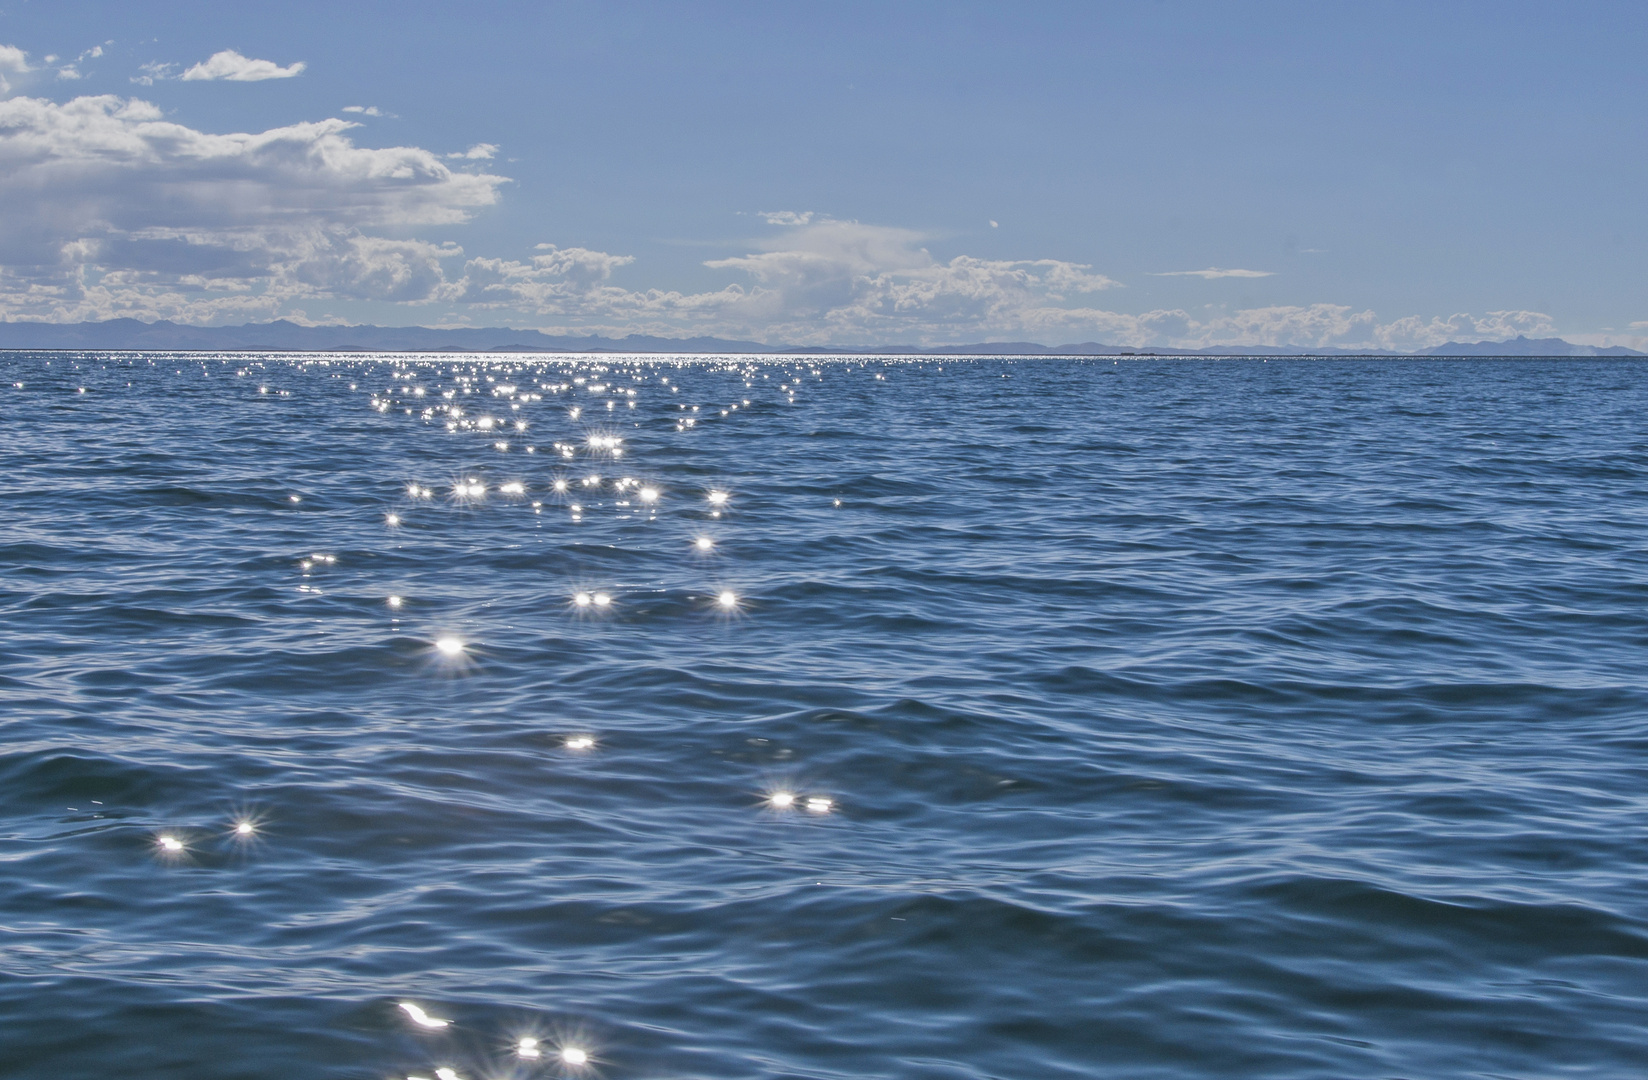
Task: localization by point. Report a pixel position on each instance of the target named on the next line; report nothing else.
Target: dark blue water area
(1176, 718)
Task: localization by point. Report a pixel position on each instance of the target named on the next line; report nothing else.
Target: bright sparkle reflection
(649, 494)
(727, 599)
(393, 519)
(527, 1047)
(244, 828)
(602, 599)
(718, 498)
(580, 742)
(782, 800)
(170, 843)
(423, 1019)
(582, 599)
(449, 646)
(819, 805)
(394, 601)
(704, 543)
(572, 1055)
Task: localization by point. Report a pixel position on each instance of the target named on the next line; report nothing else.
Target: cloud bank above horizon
(116, 211)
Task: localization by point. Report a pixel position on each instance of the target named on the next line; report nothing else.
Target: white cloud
(113, 209)
(153, 72)
(820, 281)
(15, 61)
(232, 66)
(351, 266)
(364, 110)
(561, 281)
(1214, 272)
(785, 217)
(833, 282)
(479, 152)
(834, 278)
(1417, 332)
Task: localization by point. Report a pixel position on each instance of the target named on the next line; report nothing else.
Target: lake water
(1024, 718)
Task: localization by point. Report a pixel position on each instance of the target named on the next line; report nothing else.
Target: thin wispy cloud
(479, 152)
(785, 217)
(1213, 272)
(365, 110)
(152, 72)
(230, 66)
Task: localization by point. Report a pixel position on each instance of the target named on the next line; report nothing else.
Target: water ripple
(1162, 718)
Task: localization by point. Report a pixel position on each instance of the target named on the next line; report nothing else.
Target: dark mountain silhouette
(284, 336)
(1526, 346)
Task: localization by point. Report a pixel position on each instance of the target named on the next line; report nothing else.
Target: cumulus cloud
(837, 277)
(1214, 272)
(479, 152)
(838, 282)
(15, 61)
(113, 209)
(820, 280)
(348, 265)
(1417, 332)
(823, 281)
(561, 281)
(232, 66)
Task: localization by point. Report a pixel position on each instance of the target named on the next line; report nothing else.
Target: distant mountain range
(284, 336)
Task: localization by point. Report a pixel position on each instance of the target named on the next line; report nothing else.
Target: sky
(1178, 174)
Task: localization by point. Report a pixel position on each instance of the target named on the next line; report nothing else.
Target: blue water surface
(1143, 718)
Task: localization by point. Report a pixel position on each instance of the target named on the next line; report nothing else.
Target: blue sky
(1165, 173)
